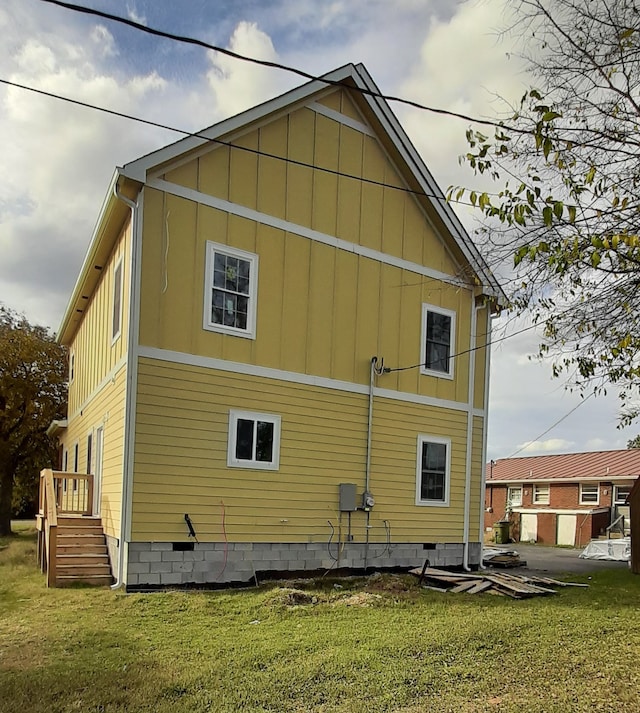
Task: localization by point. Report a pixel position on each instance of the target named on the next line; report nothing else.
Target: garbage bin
(501, 532)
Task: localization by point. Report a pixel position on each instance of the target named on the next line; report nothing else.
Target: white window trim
(232, 461)
(590, 485)
(616, 495)
(252, 258)
(535, 490)
(510, 500)
(116, 335)
(426, 308)
(422, 438)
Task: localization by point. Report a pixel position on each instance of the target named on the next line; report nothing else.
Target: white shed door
(528, 527)
(567, 530)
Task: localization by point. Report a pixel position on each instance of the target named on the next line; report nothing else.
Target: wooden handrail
(60, 493)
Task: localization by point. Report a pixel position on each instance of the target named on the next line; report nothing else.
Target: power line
(197, 135)
(557, 423)
(266, 63)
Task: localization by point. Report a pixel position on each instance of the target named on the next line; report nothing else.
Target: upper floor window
(230, 290)
(72, 366)
(541, 494)
(589, 494)
(254, 440)
(438, 338)
(433, 471)
(116, 321)
(514, 496)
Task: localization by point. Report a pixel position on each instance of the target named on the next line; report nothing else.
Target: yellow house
(278, 351)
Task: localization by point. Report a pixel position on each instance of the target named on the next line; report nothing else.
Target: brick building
(565, 499)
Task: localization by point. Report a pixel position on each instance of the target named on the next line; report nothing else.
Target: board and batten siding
(321, 310)
(97, 392)
(96, 354)
(181, 461)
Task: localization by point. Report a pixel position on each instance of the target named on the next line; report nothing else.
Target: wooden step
(82, 569)
(64, 520)
(101, 580)
(89, 546)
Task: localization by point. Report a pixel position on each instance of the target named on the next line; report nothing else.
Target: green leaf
(550, 115)
(595, 258)
(572, 213)
(558, 207)
(547, 216)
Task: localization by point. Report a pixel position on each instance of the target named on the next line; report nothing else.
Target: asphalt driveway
(558, 560)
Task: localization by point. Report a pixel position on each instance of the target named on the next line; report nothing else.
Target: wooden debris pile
(516, 586)
(492, 557)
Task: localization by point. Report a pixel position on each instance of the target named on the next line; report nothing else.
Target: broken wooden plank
(465, 586)
(480, 587)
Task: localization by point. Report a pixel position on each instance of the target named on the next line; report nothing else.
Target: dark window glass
(434, 471)
(244, 439)
(117, 295)
(89, 444)
(264, 442)
(438, 345)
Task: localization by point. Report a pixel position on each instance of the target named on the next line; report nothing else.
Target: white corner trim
(301, 230)
(235, 367)
(340, 118)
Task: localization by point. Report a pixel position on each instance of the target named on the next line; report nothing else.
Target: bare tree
(567, 210)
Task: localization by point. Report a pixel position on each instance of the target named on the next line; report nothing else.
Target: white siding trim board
(302, 231)
(298, 378)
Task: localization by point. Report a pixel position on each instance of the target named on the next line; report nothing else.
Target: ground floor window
(254, 440)
(433, 471)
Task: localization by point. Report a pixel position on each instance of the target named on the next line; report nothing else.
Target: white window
(116, 323)
(72, 366)
(514, 496)
(230, 292)
(438, 338)
(541, 494)
(254, 440)
(433, 471)
(589, 494)
(620, 494)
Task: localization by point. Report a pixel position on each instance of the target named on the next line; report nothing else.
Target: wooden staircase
(81, 552)
(71, 543)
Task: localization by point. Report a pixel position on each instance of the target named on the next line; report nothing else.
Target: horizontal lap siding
(105, 409)
(393, 470)
(181, 455)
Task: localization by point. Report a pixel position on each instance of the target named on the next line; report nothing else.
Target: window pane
(231, 274)
(230, 310)
(438, 341)
(264, 445)
(244, 439)
(434, 468)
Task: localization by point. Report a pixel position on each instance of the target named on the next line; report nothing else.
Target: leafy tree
(634, 442)
(33, 392)
(567, 212)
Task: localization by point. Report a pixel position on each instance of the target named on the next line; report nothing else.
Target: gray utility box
(348, 497)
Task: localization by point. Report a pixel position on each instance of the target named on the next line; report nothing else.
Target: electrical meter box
(348, 497)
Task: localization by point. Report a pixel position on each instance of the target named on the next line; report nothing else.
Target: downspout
(487, 377)
(132, 373)
(367, 475)
(467, 485)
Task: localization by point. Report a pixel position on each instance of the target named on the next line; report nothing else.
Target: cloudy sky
(58, 158)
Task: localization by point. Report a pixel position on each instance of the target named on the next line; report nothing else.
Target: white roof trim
(576, 479)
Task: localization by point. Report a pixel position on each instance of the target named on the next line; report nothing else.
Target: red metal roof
(567, 466)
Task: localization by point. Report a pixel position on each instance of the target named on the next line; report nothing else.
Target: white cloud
(552, 445)
(133, 15)
(103, 39)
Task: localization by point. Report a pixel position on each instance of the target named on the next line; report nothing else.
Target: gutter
(487, 379)
(132, 380)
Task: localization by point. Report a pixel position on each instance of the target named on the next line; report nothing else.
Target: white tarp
(619, 550)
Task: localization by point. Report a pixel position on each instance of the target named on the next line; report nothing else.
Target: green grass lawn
(381, 644)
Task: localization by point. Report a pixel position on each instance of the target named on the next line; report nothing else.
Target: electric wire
(228, 144)
(557, 423)
(265, 63)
